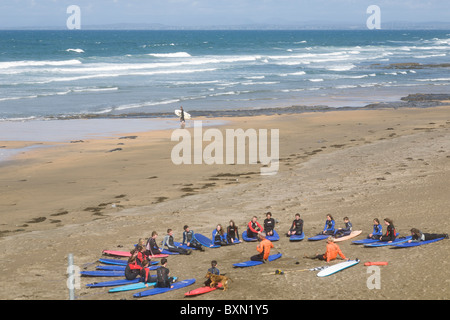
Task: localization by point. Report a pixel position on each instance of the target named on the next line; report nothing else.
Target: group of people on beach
(147, 248)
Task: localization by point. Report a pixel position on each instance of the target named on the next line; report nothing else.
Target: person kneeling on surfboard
(263, 248)
(162, 276)
(331, 253)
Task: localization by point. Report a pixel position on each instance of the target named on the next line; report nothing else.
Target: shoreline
(363, 163)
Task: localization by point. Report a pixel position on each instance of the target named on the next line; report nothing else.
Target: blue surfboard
(113, 283)
(414, 244)
(154, 291)
(318, 237)
(387, 243)
(256, 263)
(297, 237)
(274, 237)
(366, 241)
(248, 239)
(205, 241)
(136, 286)
(100, 273)
(184, 246)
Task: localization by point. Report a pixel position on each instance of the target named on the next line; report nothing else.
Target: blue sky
(41, 13)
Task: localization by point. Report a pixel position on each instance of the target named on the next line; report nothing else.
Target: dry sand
(79, 198)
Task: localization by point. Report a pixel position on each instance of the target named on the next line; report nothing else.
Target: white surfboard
(337, 267)
(187, 116)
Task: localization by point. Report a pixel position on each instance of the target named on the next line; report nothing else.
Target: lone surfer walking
(182, 117)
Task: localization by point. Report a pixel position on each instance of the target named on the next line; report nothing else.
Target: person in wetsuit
(296, 226)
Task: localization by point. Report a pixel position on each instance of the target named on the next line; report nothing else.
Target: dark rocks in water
(414, 65)
(426, 97)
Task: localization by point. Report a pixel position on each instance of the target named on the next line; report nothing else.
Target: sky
(45, 13)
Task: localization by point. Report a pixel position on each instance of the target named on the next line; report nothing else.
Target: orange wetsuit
(332, 252)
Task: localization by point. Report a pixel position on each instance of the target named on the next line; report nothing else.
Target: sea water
(70, 74)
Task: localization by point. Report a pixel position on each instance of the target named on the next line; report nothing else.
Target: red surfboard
(377, 263)
(128, 254)
(201, 290)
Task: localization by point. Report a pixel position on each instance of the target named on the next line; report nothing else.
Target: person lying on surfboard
(332, 251)
(329, 225)
(296, 226)
(340, 232)
(377, 230)
(269, 224)
(417, 236)
(263, 248)
(253, 228)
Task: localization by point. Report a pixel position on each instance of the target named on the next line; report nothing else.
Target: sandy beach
(88, 195)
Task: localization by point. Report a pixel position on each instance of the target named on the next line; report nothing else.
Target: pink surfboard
(351, 235)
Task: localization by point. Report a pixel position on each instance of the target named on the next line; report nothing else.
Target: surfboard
(187, 116)
(336, 268)
(368, 240)
(376, 263)
(202, 290)
(387, 243)
(274, 237)
(120, 268)
(118, 262)
(296, 237)
(414, 244)
(256, 263)
(318, 237)
(113, 283)
(248, 239)
(128, 254)
(205, 241)
(184, 246)
(136, 286)
(101, 273)
(353, 234)
(176, 285)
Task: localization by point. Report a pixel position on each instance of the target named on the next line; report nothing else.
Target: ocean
(82, 74)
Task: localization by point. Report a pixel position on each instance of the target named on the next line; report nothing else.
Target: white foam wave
(75, 50)
(146, 104)
(170, 55)
(31, 63)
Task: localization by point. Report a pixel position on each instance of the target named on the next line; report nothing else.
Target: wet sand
(106, 193)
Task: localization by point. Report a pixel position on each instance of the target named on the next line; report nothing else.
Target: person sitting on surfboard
(168, 241)
(340, 232)
(296, 226)
(134, 265)
(163, 279)
(263, 248)
(377, 230)
(232, 232)
(253, 228)
(189, 240)
(417, 236)
(390, 232)
(332, 251)
(218, 236)
(152, 246)
(269, 224)
(329, 225)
